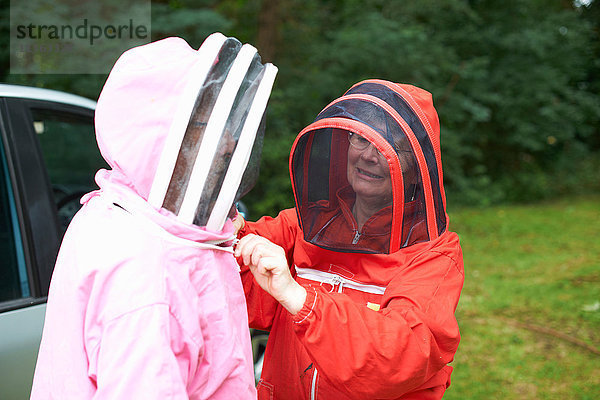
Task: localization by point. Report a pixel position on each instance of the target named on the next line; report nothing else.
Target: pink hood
(137, 105)
(133, 116)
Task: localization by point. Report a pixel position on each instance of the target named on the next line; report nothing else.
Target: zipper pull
(356, 237)
(336, 280)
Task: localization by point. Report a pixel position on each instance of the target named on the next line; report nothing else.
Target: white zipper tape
(335, 279)
(147, 225)
(313, 389)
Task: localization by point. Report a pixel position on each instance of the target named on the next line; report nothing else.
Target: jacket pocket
(264, 390)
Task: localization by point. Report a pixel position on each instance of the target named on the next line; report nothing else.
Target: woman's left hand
(238, 223)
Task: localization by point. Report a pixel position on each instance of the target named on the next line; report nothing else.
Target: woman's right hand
(268, 264)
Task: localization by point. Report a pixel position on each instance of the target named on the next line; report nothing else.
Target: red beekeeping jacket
(378, 321)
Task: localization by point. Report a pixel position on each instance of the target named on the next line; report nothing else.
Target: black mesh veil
(211, 155)
(227, 145)
(409, 115)
(196, 127)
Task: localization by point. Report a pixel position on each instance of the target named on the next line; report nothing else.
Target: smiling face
(369, 175)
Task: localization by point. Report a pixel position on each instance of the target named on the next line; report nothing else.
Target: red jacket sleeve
(407, 343)
(281, 230)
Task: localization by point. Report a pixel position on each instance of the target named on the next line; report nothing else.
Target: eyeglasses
(359, 142)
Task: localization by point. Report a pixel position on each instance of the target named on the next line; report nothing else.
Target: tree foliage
(516, 83)
(513, 83)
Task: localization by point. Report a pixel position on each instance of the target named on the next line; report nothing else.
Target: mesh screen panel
(325, 199)
(408, 114)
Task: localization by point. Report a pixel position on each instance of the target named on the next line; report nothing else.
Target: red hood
(401, 122)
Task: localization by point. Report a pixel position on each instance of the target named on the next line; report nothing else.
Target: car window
(71, 155)
(14, 283)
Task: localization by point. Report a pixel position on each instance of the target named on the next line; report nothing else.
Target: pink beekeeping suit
(141, 305)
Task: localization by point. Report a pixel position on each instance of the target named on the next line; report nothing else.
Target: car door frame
(35, 205)
(22, 319)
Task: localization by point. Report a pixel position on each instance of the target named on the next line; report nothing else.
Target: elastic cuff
(307, 308)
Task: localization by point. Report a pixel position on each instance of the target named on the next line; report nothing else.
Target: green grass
(530, 309)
